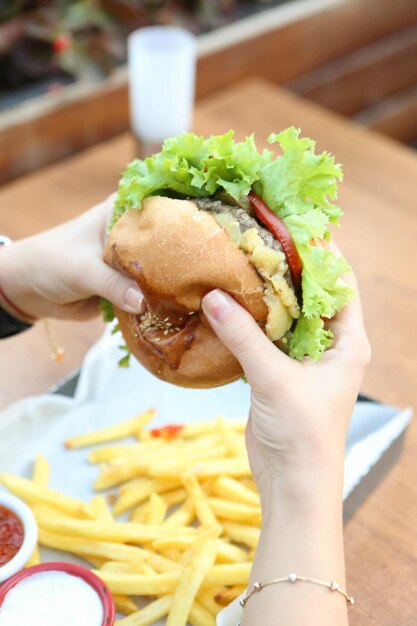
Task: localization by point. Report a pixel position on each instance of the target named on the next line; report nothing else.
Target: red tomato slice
(280, 231)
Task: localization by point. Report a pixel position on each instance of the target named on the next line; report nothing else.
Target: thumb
(239, 332)
(121, 290)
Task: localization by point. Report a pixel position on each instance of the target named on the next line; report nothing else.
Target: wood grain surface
(378, 237)
(345, 56)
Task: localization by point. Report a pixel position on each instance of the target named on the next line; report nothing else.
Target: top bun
(177, 253)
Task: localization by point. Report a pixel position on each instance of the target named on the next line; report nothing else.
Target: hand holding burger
(45, 275)
(295, 438)
(215, 213)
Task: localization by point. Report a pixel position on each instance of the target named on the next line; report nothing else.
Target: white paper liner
(107, 394)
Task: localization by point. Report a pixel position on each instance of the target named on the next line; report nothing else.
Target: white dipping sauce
(51, 598)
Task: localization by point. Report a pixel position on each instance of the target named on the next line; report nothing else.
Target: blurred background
(63, 77)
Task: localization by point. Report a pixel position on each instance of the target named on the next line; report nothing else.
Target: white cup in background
(161, 62)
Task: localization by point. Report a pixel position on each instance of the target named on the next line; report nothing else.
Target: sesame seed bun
(177, 253)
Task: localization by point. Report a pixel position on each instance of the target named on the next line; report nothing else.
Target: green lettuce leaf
(301, 187)
(107, 310)
(300, 179)
(298, 185)
(324, 293)
(309, 338)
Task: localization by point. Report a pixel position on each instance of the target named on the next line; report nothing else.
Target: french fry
(122, 451)
(141, 491)
(173, 467)
(229, 553)
(239, 533)
(234, 444)
(122, 470)
(193, 559)
(130, 568)
(106, 550)
(232, 489)
(101, 510)
(40, 476)
(251, 555)
(95, 561)
(189, 584)
(235, 511)
(157, 510)
(147, 569)
(41, 471)
(140, 584)
(206, 598)
(112, 433)
(133, 496)
(149, 615)
(134, 484)
(172, 554)
(122, 532)
(177, 542)
(140, 513)
(203, 510)
(144, 436)
(235, 467)
(33, 493)
(176, 496)
(200, 616)
(124, 604)
(198, 429)
(124, 568)
(226, 596)
(250, 484)
(183, 516)
(43, 509)
(206, 535)
(236, 574)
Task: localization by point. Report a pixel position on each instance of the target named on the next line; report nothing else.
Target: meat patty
(245, 221)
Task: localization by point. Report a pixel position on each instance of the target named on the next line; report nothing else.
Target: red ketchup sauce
(170, 431)
(11, 535)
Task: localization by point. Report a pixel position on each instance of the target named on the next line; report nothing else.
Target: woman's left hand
(61, 273)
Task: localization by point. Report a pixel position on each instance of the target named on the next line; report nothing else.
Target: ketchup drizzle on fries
(170, 431)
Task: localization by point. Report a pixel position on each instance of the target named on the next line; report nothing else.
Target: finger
(348, 325)
(105, 210)
(122, 291)
(239, 332)
(109, 206)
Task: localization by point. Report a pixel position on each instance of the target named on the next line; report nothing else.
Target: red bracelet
(5, 241)
(16, 308)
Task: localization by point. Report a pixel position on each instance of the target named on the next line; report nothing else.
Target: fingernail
(133, 300)
(218, 305)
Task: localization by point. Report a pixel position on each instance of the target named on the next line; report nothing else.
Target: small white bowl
(30, 534)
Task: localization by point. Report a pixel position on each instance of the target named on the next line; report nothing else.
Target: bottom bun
(206, 363)
(177, 253)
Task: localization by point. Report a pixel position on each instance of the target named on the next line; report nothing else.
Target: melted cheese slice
(271, 264)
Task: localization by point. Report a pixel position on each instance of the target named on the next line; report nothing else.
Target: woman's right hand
(296, 434)
(300, 411)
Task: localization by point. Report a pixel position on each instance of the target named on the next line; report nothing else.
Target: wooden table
(378, 237)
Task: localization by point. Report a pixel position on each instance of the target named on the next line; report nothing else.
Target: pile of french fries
(193, 509)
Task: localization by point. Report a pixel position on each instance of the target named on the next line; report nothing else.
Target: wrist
(15, 297)
(301, 488)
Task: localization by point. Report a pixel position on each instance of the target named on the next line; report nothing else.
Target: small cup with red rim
(30, 534)
(72, 569)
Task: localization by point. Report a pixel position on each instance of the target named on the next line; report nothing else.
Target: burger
(217, 213)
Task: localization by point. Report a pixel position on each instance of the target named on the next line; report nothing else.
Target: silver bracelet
(293, 578)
